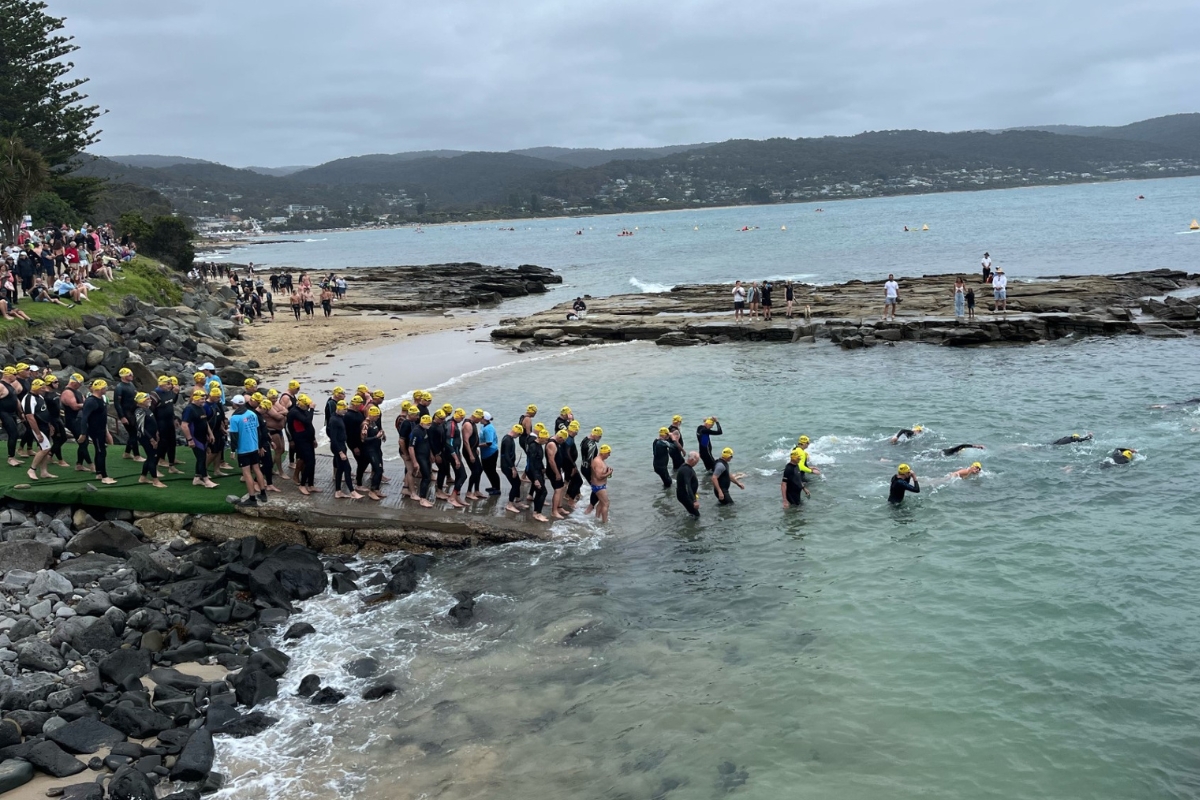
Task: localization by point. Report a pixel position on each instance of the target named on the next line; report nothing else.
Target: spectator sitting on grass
(41, 294)
(64, 288)
(101, 269)
(15, 313)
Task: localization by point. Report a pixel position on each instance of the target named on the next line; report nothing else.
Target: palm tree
(23, 173)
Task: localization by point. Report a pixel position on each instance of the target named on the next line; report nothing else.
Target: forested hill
(439, 185)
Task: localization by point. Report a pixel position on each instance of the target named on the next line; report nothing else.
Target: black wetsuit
(906, 433)
(900, 486)
(353, 420)
(335, 428)
(535, 468)
(570, 452)
(1118, 456)
(793, 480)
(58, 431)
(1072, 439)
(419, 445)
(687, 489)
(123, 399)
(703, 435)
(721, 472)
(677, 457)
(588, 450)
(304, 440)
(508, 466)
(662, 457)
(372, 448)
(958, 448)
(164, 414)
(561, 423)
(146, 425)
(197, 420)
(71, 417)
(10, 407)
(94, 419)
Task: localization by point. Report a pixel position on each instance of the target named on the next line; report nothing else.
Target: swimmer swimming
(1074, 438)
(958, 448)
(967, 472)
(1122, 455)
(908, 433)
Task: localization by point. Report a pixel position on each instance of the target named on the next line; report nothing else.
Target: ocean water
(1032, 232)
(1028, 633)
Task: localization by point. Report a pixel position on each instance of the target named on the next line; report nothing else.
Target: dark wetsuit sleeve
(906, 433)
(958, 448)
(716, 429)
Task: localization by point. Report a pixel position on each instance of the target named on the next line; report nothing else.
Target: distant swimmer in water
(1122, 455)
(1194, 401)
(967, 472)
(904, 481)
(1074, 438)
(958, 448)
(908, 433)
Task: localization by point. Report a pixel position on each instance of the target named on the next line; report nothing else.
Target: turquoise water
(1029, 633)
(1034, 232)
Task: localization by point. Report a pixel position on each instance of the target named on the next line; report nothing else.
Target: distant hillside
(594, 157)
(1178, 131)
(450, 184)
(154, 162)
(277, 172)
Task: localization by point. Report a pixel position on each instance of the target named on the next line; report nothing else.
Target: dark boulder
(299, 631)
(292, 573)
(343, 584)
(91, 633)
(254, 686)
(89, 569)
(269, 660)
(149, 569)
(327, 696)
(25, 554)
(130, 784)
(462, 613)
(379, 690)
(119, 665)
(39, 655)
(28, 690)
(175, 680)
(250, 724)
(111, 537)
(127, 598)
(308, 686)
(14, 773)
(50, 759)
(196, 760)
(139, 723)
(30, 722)
(10, 733)
(362, 667)
(83, 791)
(85, 736)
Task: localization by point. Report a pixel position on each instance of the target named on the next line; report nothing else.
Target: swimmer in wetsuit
(904, 481)
(704, 434)
(687, 487)
(907, 433)
(1074, 438)
(722, 477)
(1122, 455)
(793, 480)
(1193, 402)
(958, 448)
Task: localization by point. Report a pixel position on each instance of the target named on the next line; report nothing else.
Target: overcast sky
(272, 83)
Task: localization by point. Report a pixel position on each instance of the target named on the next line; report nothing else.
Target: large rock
(85, 736)
(36, 654)
(253, 687)
(111, 537)
(196, 760)
(50, 758)
(130, 784)
(152, 566)
(50, 582)
(297, 570)
(28, 689)
(226, 527)
(138, 722)
(86, 634)
(161, 527)
(89, 568)
(250, 724)
(14, 773)
(125, 663)
(25, 555)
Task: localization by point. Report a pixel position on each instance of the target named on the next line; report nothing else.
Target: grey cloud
(267, 82)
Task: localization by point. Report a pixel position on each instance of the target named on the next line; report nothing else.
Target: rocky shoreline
(1138, 303)
(98, 614)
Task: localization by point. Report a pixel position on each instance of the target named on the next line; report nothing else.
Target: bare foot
(510, 507)
(340, 495)
(376, 496)
(304, 491)
(46, 474)
(159, 484)
(209, 485)
(355, 496)
(12, 462)
(198, 481)
(272, 488)
(174, 471)
(32, 475)
(314, 489)
(111, 481)
(143, 479)
(139, 459)
(426, 504)
(540, 518)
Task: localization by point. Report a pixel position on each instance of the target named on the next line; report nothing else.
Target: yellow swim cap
(977, 465)
(338, 391)
(250, 382)
(214, 392)
(75, 376)
(357, 400)
(447, 408)
(426, 420)
(304, 400)
(605, 449)
(573, 427)
(417, 394)
(518, 429)
(530, 409)
(727, 452)
(439, 414)
(124, 371)
(272, 394)
(664, 431)
(565, 410)
(803, 440)
(597, 431)
(198, 376)
(478, 413)
(542, 433)
(709, 421)
(378, 394)
(1127, 453)
(362, 389)
(562, 434)
(340, 406)
(174, 380)
(22, 366)
(903, 469)
(459, 413)
(677, 419)
(163, 380)
(796, 455)
(37, 383)
(10, 370)
(538, 426)
(918, 428)
(139, 398)
(257, 397)
(374, 411)
(99, 384)
(293, 385)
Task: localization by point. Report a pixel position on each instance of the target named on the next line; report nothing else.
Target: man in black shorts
(766, 300)
(789, 294)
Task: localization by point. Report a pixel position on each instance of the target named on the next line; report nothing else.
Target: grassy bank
(144, 278)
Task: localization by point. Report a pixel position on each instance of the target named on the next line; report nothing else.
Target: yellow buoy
(1195, 226)
(924, 227)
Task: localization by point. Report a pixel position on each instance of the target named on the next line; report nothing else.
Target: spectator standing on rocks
(94, 422)
(753, 297)
(789, 295)
(970, 304)
(1000, 291)
(739, 301)
(960, 298)
(985, 265)
(891, 297)
(767, 288)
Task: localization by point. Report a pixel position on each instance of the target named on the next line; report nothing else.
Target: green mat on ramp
(70, 487)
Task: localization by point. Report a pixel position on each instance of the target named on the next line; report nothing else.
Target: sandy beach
(294, 341)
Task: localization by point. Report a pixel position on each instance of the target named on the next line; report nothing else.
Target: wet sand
(296, 341)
